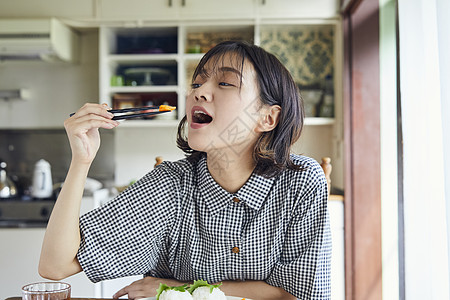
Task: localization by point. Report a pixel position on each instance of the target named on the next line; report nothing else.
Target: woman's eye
(195, 85)
(225, 84)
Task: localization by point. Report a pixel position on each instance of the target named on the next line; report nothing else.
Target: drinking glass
(46, 291)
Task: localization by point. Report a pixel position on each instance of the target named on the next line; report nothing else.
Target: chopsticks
(159, 110)
(154, 111)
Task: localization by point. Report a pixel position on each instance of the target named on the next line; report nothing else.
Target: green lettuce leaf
(200, 283)
(163, 287)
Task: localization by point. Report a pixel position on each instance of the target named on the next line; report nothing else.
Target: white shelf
(193, 56)
(143, 89)
(318, 121)
(143, 58)
(181, 60)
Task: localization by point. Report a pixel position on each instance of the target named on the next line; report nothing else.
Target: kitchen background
(57, 89)
(32, 128)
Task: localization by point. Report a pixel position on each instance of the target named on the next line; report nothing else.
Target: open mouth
(201, 117)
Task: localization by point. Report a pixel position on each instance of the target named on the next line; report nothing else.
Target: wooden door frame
(361, 108)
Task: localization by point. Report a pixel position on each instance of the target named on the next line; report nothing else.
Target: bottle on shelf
(326, 108)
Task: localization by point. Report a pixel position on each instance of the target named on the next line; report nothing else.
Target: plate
(228, 298)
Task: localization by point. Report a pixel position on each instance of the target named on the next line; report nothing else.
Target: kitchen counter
(22, 224)
(17, 213)
(25, 214)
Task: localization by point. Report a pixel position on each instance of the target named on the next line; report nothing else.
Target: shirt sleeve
(124, 236)
(304, 266)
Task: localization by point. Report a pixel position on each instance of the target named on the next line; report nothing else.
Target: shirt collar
(253, 193)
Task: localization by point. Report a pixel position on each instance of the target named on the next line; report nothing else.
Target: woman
(240, 209)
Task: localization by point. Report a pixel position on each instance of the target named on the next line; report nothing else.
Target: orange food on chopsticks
(166, 107)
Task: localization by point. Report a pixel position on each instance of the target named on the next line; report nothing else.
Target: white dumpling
(204, 293)
(175, 295)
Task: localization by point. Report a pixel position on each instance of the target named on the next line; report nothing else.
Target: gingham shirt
(177, 222)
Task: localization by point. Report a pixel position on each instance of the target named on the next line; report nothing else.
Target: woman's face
(222, 107)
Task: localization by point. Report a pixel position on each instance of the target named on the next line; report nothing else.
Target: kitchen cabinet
(306, 9)
(136, 55)
(138, 10)
(194, 10)
(174, 10)
(19, 259)
(83, 9)
(217, 9)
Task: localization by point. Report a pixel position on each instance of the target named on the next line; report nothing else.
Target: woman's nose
(203, 93)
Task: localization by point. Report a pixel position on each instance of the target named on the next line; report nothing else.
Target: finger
(90, 122)
(136, 290)
(132, 293)
(87, 122)
(94, 108)
(136, 295)
(121, 292)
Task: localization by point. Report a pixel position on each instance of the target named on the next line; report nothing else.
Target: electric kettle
(42, 180)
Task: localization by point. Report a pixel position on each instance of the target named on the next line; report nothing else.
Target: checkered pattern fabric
(177, 222)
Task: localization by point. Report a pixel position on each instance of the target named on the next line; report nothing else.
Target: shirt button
(236, 200)
(235, 250)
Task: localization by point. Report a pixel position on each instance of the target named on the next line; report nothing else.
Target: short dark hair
(276, 87)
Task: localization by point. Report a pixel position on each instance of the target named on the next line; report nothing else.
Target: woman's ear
(269, 118)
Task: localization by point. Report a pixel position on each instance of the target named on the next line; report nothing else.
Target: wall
(136, 149)
(33, 129)
(56, 89)
(322, 145)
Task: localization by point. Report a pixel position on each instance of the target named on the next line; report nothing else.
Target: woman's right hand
(62, 237)
(82, 130)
